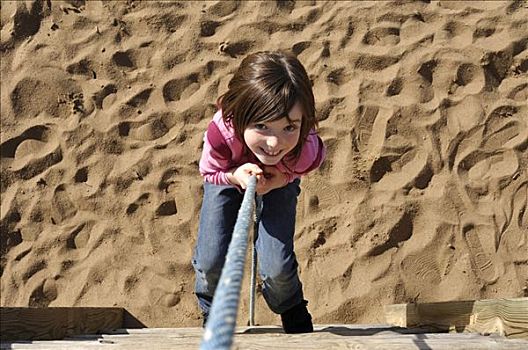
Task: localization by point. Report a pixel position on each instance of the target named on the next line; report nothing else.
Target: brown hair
(264, 88)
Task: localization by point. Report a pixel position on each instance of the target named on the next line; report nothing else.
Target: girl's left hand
(274, 179)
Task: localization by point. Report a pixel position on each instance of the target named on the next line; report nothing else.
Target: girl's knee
(209, 265)
(279, 270)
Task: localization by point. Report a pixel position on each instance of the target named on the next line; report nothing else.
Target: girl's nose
(272, 141)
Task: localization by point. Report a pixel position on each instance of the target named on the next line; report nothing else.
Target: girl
(264, 127)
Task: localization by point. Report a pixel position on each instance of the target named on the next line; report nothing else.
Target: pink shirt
(223, 151)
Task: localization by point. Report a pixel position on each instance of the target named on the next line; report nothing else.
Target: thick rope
(221, 323)
(252, 289)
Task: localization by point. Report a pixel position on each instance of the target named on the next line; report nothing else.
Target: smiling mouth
(270, 154)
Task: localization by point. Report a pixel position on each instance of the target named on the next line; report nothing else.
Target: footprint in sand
(477, 5)
(520, 205)
(163, 20)
(153, 127)
(373, 63)
(336, 76)
(434, 260)
(198, 80)
(208, 28)
(299, 47)
(134, 104)
(181, 201)
(223, 8)
(123, 59)
(163, 297)
(140, 99)
(142, 200)
(174, 89)
(480, 173)
(393, 235)
(497, 64)
(413, 84)
(83, 67)
(27, 20)
(348, 34)
(43, 294)
(104, 97)
(394, 161)
(326, 107)
(34, 268)
(167, 208)
(456, 33)
(81, 175)
(492, 166)
(422, 267)
(315, 234)
(33, 152)
(470, 79)
(395, 87)
(49, 90)
(463, 116)
(79, 236)
(40, 289)
(515, 89)
(317, 195)
(235, 49)
(9, 240)
(369, 130)
(481, 260)
(450, 75)
(506, 128)
(484, 28)
(63, 207)
(382, 36)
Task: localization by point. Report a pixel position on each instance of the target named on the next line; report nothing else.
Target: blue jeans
(282, 288)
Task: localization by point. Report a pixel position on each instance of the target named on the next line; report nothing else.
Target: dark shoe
(297, 319)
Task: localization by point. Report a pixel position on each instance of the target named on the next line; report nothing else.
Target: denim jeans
(282, 288)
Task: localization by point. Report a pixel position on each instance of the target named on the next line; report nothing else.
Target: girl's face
(271, 141)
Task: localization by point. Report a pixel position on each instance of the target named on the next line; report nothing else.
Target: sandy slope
(423, 108)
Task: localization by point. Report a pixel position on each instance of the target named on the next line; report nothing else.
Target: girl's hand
(274, 179)
(240, 176)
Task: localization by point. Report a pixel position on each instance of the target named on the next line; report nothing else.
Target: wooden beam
(507, 317)
(327, 337)
(22, 323)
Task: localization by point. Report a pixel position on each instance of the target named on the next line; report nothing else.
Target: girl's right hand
(240, 176)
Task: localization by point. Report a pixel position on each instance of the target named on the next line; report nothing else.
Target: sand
(423, 108)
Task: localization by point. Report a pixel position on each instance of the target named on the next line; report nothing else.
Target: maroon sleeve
(217, 141)
(319, 158)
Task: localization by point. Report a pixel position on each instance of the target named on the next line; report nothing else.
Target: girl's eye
(290, 128)
(260, 126)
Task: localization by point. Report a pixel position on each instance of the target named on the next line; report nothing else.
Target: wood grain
(357, 337)
(22, 323)
(507, 317)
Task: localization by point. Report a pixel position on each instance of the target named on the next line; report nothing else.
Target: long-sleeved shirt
(223, 151)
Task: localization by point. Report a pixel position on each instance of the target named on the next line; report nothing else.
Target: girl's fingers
(255, 170)
(244, 172)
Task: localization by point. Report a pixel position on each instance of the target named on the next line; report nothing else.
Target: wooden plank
(22, 323)
(507, 317)
(265, 337)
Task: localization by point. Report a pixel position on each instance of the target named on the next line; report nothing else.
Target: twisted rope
(221, 323)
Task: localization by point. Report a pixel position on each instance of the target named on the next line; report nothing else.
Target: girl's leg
(218, 215)
(282, 288)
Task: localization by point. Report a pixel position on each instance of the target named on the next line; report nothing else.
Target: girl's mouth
(270, 154)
